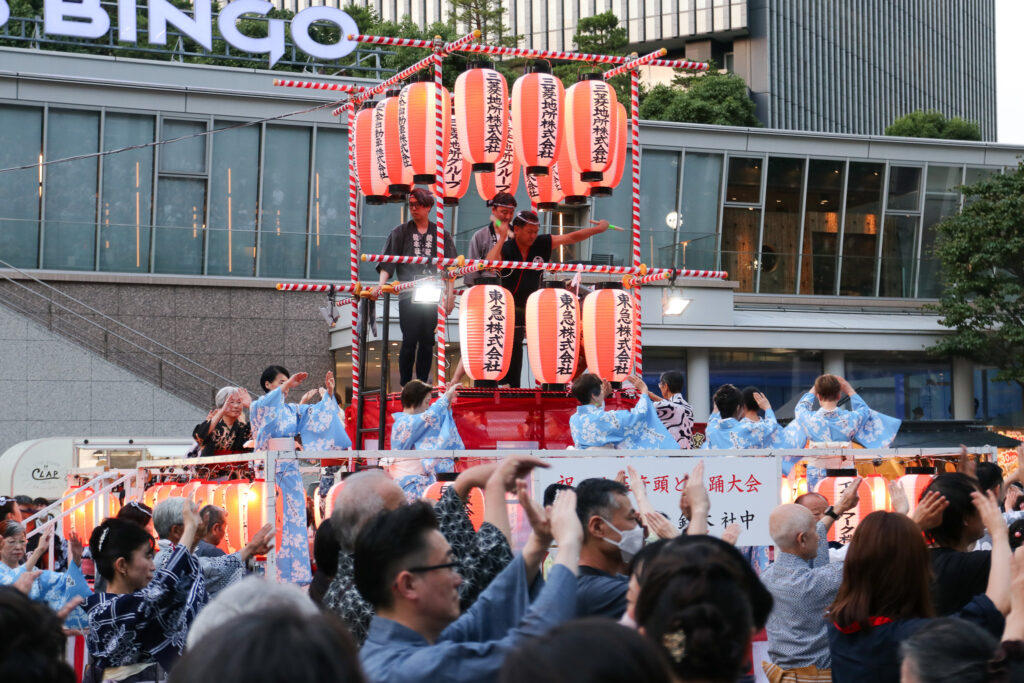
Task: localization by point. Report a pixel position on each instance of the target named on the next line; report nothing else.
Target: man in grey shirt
(503, 206)
(803, 584)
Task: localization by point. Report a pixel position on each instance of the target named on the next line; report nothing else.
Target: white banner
(743, 489)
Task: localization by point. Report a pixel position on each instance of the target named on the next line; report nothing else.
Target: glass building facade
(270, 200)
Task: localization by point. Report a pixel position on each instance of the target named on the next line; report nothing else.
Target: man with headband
(527, 245)
(503, 207)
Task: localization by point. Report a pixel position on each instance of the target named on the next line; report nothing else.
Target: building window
(782, 376)
(181, 199)
(861, 228)
(899, 240)
(998, 403)
(330, 220)
(127, 203)
(823, 209)
(659, 360)
(698, 214)
(21, 143)
(906, 386)
(659, 175)
(780, 244)
(941, 200)
(234, 193)
(741, 224)
(284, 208)
(69, 235)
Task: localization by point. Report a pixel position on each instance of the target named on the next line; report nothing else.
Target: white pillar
(834, 363)
(698, 381)
(963, 389)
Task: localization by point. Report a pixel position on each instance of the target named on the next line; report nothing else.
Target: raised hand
(565, 523)
(24, 582)
(243, 397)
(538, 517)
(762, 401)
(600, 225)
(513, 468)
(661, 527)
(898, 497)
(259, 544)
(928, 513)
(991, 517)
(329, 382)
(77, 548)
(850, 497)
(731, 534)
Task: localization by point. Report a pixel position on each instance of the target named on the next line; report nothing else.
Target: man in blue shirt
(405, 568)
(612, 535)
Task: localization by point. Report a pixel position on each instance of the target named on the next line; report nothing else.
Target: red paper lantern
(387, 148)
(552, 333)
(588, 120)
(83, 520)
(486, 327)
(474, 502)
(608, 332)
(545, 190)
(873, 493)
(538, 100)
(231, 495)
(255, 510)
(456, 171)
(574, 189)
(914, 483)
(417, 111)
(505, 177)
(371, 184)
(481, 114)
(619, 154)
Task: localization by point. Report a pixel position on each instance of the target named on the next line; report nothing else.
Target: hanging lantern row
(575, 139)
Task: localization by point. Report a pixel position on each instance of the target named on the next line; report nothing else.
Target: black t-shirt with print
(523, 283)
(406, 240)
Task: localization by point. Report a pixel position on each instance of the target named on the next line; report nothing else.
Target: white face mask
(630, 541)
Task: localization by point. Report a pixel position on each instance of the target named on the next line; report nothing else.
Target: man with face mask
(612, 535)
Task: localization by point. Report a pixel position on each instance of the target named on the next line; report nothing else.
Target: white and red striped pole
(316, 85)
(639, 280)
(634, 125)
(550, 267)
(634, 63)
(388, 40)
(464, 270)
(304, 287)
(353, 245)
(439, 112)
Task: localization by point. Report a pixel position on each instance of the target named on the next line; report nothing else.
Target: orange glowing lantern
(538, 100)
(914, 482)
(417, 110)
(792, 487)
(486, 330)
(372, 184)
(387, 148)
(255, 513)
(160, 492)
(588, 126)
(481, 115)
(474, 503)
(232, 496)
(608, 332)
(619, 154)
(505, 177)
(545, 190)
(456, 171)
(574, 190)
(552, 334)
(83, 520)
(873, 493)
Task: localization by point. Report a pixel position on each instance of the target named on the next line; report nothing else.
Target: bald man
(803, 583)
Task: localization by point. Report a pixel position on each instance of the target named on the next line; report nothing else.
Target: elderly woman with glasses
(417, 320)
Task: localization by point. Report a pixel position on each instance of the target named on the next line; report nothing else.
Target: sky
(1010, 71)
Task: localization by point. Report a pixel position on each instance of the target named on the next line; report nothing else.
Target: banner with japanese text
(743, 489)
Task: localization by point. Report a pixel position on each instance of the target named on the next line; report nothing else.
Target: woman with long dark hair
(885, 596)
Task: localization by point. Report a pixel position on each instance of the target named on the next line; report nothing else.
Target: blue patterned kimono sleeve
(442, 433)
(644, 429)
(293, 553)
(877, 430)
(322, 428)
(55, 589)
(272, 418)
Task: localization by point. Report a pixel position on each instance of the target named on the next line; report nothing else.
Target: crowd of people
(601, 590)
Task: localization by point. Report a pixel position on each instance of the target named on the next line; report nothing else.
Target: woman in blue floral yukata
(56, 589)
(423, 426)
(867, 427)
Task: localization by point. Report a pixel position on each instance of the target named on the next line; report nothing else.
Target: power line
(91, 155)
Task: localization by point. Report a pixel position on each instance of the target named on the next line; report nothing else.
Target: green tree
(486, 16)
(598, 35)
(932, 124)
(981, 250)
(711, 97)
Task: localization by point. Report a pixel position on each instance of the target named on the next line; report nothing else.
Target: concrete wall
(50, 386)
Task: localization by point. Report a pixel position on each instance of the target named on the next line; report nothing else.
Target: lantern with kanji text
(505, 177)
(418, 107)
(873, 493)
(481, 115)
(608, 332)
(537, 104)
(545, 190)
(486, 332)
(372, 184)
(387, 149)
(613, 176)
(456, 171)
(588, 126)
(552, 334)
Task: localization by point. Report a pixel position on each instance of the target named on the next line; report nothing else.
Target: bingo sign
(743, 490)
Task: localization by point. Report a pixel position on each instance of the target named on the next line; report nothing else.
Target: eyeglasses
(415, 205)
(454, 566)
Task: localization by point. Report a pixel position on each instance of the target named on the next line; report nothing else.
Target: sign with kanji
(742, 490)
